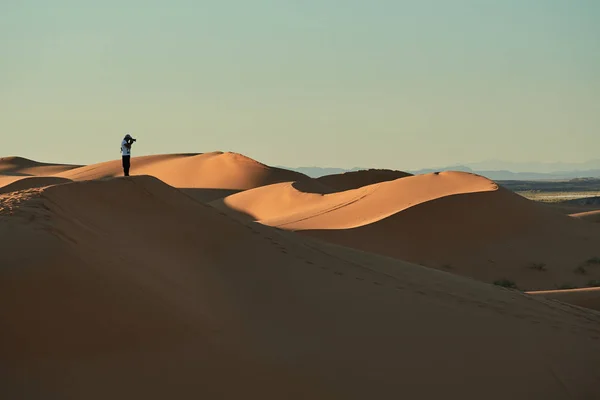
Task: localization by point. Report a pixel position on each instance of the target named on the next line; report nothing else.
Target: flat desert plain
(216, 276)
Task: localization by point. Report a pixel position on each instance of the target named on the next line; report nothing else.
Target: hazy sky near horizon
(388, 84)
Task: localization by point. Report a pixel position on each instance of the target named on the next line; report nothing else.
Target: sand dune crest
(12, 184)
(217, 170)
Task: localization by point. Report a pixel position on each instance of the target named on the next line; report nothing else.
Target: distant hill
(317, 172)
(496, 175)
(565, 185)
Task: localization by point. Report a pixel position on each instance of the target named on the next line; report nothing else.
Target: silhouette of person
(126, 153)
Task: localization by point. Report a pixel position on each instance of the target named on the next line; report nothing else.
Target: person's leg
(126, 165)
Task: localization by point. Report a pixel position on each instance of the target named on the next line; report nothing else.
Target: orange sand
(135, 290)
(217, 170)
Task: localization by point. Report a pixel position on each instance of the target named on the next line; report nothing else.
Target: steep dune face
(356, 179)
(224, 171)
(454, 221)
(19, 166)
(489, 236)
(136, 290)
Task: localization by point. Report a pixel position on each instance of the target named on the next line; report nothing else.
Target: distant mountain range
(494, 169)
(535, 167)
(507, 175)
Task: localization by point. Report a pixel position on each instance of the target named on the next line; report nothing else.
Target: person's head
(128, 136)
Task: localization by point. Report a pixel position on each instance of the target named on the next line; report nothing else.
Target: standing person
(126, 152)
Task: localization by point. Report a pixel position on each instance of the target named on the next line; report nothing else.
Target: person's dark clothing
(126, 165)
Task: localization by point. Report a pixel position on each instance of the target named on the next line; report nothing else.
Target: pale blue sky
(394, 84)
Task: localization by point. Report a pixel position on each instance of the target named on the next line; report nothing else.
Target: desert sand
(204, 176)
(20, 173)
(12, 184)
(21, 167)
(453, 221)
(116, 287)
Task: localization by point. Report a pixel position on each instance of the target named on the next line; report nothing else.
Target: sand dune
(19, 166)
(275, 200)
(11, 184)
(18, 173)
(586, 297)
(217, 170)
(454, 221)
(170, 299)
(293, 206)
(358, 179)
